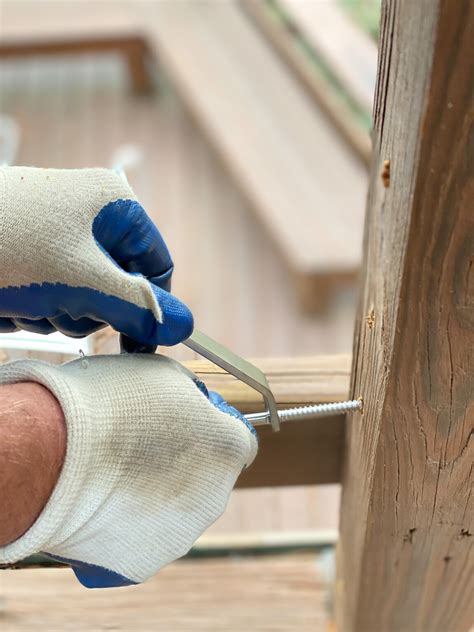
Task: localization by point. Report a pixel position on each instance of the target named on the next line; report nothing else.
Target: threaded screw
(299, 412)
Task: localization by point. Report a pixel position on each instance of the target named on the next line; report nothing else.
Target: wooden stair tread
(293, 166)
(346, 49)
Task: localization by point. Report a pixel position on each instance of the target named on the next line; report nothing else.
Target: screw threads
(326, 410)
(317, 410)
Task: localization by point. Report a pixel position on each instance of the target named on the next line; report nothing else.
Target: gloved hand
(76, 251)
(150, 464)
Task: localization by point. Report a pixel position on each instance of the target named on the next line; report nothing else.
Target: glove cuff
(70, 480)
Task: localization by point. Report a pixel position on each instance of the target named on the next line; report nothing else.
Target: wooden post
(405, 559)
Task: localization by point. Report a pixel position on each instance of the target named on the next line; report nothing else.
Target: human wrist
(32, 453)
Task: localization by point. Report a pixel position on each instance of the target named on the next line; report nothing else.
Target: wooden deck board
(279, 593)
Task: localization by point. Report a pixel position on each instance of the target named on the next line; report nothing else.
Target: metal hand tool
(248, 373)
(242, 369)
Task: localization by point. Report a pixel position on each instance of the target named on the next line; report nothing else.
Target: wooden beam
(294, 381)
(405, 559)
(303, 452)
(307, 452)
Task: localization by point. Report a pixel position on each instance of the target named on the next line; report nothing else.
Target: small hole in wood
(386, 173)
(370, 319)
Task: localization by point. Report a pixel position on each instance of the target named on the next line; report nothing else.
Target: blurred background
(244, 129)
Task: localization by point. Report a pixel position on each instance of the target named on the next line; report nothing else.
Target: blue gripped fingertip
(178, 322)
(50, 300)
(93, 576)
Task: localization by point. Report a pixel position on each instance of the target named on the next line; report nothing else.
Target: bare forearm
(32, 450)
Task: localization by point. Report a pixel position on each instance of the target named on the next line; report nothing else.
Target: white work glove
(150, 464)
(77, 251)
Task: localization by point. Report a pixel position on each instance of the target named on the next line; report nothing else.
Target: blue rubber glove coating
(128, 237)
(93, 576)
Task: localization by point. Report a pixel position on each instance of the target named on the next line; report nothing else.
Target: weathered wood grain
(406, 551)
